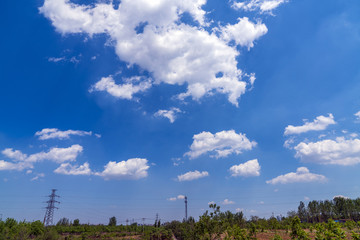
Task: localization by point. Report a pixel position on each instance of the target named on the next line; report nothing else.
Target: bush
(37, 228)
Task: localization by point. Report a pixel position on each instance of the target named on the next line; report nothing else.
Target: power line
(49, 214)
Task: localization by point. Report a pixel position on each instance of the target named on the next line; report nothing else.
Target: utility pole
(49, 214)
(185, 208)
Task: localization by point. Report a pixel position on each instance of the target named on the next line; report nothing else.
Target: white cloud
(14, 154)
(339, 151)
(244, 33)
(302, 175)
(73, 59)
(58, 155)
(357, 115)
(262, 5)
(40, 175)
(248, 169)
(320, 123)
(170, 114)
(228, 202)
(23, 161)
(6, 166)
(289, 142)
(222, 143)
(68, 169)
(179, 197)
(55, 60)
(122, 91)
(306, 198)
(353, 135)
(173, 52)
(190, 176)
(54, 133)
(134, 168)
(211, 202)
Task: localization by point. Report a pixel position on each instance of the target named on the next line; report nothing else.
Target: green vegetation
(322, 211)
(313, 221)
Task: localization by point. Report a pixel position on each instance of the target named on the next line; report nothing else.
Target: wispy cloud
(54, 133)
(38, 176)
(179, 197)
(228, 202)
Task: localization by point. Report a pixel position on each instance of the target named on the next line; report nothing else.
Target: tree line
(317, 220)
(339, 208)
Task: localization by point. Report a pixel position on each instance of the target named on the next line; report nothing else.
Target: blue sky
(126, 107)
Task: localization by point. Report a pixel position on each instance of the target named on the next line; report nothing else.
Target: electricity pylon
(49, 214)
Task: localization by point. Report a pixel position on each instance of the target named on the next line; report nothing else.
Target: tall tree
(112, 221)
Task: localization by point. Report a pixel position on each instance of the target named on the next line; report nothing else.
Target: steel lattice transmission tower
(49, 214)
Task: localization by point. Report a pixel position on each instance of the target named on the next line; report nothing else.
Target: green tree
(302, 213)
(296, 231)
(112, 221)
(76, 223)
(63, 222)
(37, 228)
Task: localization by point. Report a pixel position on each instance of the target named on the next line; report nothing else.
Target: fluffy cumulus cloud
(58, 155)
(258, 5)
(23, 161)
(249, 169)
(54, 133)
(123, 91)
(134, 168)
(6, 166)
(169, 114)
(151, 35)
(320, 123)
(68, 169)
(14, 154)
(302, 175)
(192, 175)
(244, 32)
(222, 143)
(339, 151)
